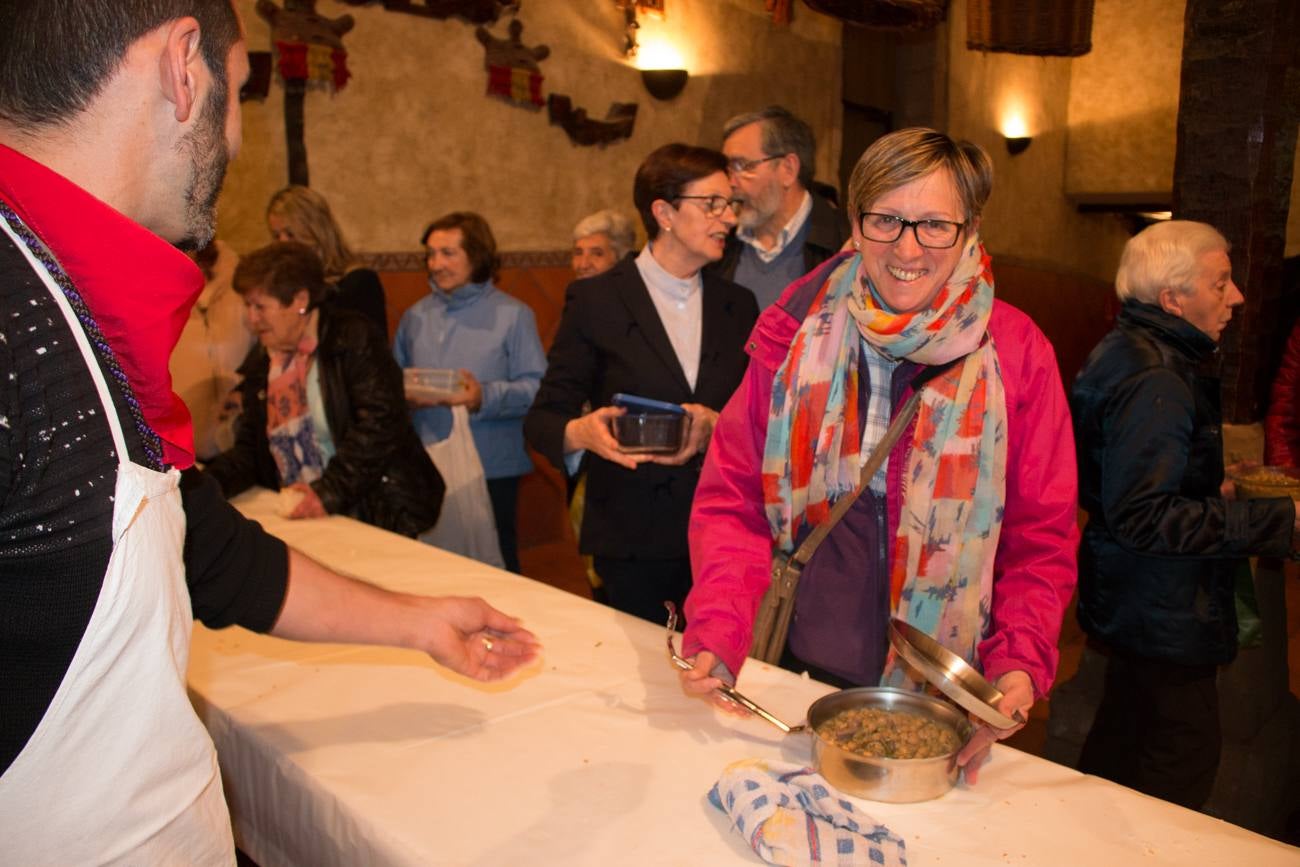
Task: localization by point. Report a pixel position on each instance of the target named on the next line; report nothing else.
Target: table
(341, 755)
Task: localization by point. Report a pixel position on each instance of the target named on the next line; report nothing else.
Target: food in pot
(1268, 476)
(888, 734)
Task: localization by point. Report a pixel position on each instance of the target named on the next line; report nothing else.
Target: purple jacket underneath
(842, 607)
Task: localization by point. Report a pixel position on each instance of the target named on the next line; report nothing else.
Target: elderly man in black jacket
(1157, 558)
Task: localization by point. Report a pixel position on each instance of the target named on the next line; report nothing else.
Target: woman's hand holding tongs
(702, 681)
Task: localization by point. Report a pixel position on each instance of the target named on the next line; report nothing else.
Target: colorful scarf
(954, 481)
(289, 426)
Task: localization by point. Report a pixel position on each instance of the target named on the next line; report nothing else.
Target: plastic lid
(953, 676)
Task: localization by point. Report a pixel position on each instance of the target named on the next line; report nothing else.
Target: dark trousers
(1157, 729)
(640, 587)
(504, 494)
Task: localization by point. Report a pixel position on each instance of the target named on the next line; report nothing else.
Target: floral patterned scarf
(289, 426)
(954, 482)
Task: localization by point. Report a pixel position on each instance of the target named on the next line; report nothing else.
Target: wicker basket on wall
(1061, 28)
(884, 14)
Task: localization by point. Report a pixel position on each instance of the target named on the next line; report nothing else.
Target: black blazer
(611, 340)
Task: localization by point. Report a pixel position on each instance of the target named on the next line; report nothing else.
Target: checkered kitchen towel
(791, 816)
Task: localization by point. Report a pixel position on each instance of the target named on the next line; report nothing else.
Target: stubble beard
(206, 146)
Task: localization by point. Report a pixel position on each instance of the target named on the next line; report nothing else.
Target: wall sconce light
(1016, 144)
(663, 71)
(1016, 133)
(664, 83)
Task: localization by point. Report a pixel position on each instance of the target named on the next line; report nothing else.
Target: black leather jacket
(1157, 559)
(380, 472)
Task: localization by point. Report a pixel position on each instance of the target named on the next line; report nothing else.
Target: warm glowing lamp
(662, 70)
(1016, 134)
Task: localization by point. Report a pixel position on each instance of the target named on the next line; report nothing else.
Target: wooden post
(1237, 125)
(294, 131)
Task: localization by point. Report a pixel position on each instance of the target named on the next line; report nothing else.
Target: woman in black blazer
(652, 326)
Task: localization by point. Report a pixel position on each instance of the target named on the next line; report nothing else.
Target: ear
(973, 225)
(301, 299)
(181, 66)
(789, 166)
(663, 213)
(1171, 301)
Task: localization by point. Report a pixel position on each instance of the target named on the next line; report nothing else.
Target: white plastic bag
(466, 525)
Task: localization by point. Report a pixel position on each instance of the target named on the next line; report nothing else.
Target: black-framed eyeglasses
(714, 206)
(742, 166)
(888, 228)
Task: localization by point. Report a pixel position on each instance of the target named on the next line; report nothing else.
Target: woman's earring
(302, 311)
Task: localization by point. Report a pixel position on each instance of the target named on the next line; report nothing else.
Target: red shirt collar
(138, 287)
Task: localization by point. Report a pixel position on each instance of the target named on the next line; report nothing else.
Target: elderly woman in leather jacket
(324, 409)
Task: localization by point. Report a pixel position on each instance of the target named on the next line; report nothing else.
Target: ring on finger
(487, 644)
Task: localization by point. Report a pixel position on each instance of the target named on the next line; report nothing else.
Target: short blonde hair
(1165, 255)
(312, 223)
(903, 156)
(614, 225)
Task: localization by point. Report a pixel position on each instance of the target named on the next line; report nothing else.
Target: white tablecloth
(336, 755)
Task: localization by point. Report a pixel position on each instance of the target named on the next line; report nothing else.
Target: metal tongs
(727, 692)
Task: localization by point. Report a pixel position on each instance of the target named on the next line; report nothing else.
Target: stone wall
(1029, 216)
(414, 136)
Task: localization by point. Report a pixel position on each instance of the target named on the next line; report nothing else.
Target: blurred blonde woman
(301, 214)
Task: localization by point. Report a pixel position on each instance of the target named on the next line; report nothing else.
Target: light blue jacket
(493, 336)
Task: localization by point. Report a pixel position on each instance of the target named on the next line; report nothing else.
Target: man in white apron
(115, 128)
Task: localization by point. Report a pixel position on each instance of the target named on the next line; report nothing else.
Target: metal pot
(897, 781)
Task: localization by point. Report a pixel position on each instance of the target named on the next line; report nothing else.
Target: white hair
(614, 225)
(1164, 256)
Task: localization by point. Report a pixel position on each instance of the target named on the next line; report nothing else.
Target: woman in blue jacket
(467, 324)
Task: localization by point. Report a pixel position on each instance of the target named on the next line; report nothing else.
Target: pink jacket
(1035, 568)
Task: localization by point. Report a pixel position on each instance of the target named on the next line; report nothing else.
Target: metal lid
(953, 676)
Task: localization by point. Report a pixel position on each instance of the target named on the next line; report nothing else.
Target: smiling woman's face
(906, 275)
(446, 260)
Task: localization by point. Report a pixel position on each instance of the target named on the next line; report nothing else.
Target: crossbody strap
(801, 557)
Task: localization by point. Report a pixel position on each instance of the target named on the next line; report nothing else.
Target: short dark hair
(664, 175)
(476, 240)
(783, 133)
(56, 55)
(280, 270)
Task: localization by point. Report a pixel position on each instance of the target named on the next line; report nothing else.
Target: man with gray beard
(783, 228)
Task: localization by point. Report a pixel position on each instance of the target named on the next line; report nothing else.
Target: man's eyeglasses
(887, 228)
(714, 206)
(742, 166)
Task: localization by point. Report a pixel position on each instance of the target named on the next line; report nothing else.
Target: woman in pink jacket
(968, 530)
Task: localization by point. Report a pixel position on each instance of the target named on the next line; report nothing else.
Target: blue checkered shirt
(880, 373)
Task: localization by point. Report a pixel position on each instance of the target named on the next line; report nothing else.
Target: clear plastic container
(431, 383)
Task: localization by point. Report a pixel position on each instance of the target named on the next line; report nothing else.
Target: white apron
(120, 770)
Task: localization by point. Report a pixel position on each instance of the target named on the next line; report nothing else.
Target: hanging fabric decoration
(473, 11)
(513, 73)
(309, 47)
(781, 11)
(309, 53)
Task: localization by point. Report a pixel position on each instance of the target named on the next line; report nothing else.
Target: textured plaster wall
(1124, 100)
(1028, 216)
(414, 136)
